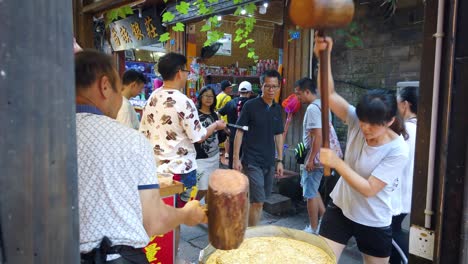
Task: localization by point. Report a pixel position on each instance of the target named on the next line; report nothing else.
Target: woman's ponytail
(398, 126)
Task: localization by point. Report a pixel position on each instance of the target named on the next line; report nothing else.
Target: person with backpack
(312, 171)
(221, 100)
(232, 110)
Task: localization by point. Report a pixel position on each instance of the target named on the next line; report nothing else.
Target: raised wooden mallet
(321, 15)
(228, 208)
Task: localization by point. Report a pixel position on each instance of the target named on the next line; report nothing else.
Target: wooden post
(450, 171)
(83, 25)
(38, 169)
(452, 139)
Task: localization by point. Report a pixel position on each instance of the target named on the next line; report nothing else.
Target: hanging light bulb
(220, 18)
(243, 12)
(265, 4)
(139, 12)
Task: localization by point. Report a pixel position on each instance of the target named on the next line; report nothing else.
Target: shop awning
(97, 6)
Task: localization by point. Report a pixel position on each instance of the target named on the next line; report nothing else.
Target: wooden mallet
(321, 15)
(228, 208)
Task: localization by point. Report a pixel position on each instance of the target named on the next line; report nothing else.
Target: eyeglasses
(208, 96)
(185, 70)
(271, 87)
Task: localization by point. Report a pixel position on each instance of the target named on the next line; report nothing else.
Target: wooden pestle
(228, 208)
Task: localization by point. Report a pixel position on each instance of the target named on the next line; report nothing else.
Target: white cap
(245, 86)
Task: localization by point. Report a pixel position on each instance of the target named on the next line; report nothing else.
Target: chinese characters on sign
(133, 32)
(124, 34)
(150, 28)
(115, 37)
(137, 31)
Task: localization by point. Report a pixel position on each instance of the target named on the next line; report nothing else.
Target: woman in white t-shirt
(376, 154)
(407, 99)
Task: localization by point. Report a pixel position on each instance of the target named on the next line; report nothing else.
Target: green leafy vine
(117, 13)
(245, 23)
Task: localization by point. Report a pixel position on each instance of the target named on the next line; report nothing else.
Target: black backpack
(239, 105)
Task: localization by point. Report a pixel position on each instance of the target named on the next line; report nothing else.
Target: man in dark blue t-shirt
(263, 118)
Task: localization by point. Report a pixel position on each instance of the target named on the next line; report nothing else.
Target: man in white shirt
(311, 170)
(170, 122)
(133, 83)
(119, 201)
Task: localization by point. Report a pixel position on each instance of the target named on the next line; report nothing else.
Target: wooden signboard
(135, 31)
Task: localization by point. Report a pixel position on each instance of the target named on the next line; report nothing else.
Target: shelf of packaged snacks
(232, 76)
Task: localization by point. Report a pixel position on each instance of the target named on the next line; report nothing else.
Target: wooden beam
(424, 115)
(38, 168)
(83, 25)
(103, 5)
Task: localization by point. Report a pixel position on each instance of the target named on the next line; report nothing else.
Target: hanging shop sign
(136, 31)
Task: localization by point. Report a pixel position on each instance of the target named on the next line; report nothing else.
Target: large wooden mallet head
(228, 208)
(321, 14)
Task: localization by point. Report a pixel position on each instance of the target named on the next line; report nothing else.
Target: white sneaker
(308, 229)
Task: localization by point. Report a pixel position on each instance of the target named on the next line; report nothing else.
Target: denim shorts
(190, 190)
(260, 182)
(310, 182)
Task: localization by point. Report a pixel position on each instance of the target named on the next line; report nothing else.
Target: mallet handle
(324, 66)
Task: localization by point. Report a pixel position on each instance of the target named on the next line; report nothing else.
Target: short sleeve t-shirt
(264, 122)
(127, 114)
(384, 162)
(312, 120)
(221, 100)
(114, 163)
(209, 147)
(402, 199)
(170, 122)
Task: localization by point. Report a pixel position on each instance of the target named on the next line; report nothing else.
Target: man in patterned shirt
(170, 122)
(119, 200)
